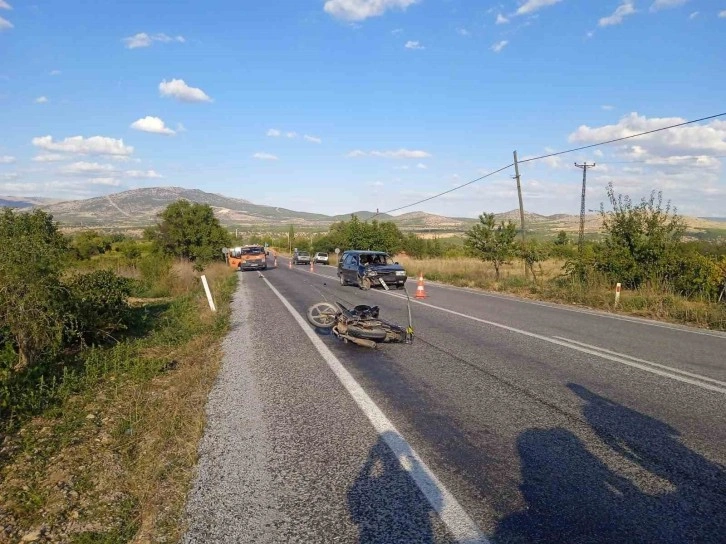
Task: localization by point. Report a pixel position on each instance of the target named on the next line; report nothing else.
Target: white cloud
(501, 19)
(178, 89)
(83, 168)
(358, 10)
(617, 17)
(396, 31)
(153, 125)
(9, 176)
(142, 39)
(607, 107)
(411, 44)
(291, 134)
(692, 140)
(55, 72)
(274, 132)
(5, 24)
(264, 156)
(463, 32)
(145, 174)
(312, 139)
(530, 6)
(693, 15)
(421, 166)
(598, 153)
(108, 182)
(41, 100)
(722, 14)
(6, 159)
(665, 4)
(95, 145)
(497, 47)
(398, 154)
(5, 5)
(50, 157)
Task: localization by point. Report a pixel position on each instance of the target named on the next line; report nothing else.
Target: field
(552, 285)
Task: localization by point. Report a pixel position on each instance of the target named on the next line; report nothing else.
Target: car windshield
(373, 259)
(303, 253)
(323, 254)
(251, 250)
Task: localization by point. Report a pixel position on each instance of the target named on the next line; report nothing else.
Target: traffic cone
(420, 291)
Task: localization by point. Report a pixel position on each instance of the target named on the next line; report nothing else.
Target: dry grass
(114, 461)
(551, 285)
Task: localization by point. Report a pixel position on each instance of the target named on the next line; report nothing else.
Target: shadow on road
(384, 501)
(573, 496)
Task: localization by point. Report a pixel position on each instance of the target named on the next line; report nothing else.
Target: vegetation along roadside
(108, 349)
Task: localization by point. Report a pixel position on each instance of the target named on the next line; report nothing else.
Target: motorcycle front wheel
(322, 315)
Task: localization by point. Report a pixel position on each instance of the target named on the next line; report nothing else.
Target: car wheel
(343, 283)
(364, 283)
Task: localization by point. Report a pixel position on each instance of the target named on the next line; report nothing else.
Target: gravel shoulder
(287, 456)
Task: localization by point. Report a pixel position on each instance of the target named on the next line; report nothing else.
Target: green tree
(532, 253)
(190, 231)
(491, 242)
(642, 240)
(561, 239)
(32, 252)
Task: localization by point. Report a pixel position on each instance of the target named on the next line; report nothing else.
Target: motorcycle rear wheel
(377, 335)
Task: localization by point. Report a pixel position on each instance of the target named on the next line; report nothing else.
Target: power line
(553, 155)
(450, 190)
(623, 138)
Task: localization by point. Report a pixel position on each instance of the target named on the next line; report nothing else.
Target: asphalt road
(528, 422)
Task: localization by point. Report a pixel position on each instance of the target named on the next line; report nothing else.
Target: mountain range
(138, 208)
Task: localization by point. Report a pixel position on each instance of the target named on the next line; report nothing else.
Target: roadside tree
(491, 242)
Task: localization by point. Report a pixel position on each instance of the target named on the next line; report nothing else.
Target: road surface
(505, 421)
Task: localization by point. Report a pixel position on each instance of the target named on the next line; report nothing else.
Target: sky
(332, 106)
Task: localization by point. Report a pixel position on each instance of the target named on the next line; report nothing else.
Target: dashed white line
(452, 514)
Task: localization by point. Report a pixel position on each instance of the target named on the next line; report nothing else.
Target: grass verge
(552, 286)
(105, 452)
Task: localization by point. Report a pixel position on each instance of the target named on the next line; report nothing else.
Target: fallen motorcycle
(360, 324)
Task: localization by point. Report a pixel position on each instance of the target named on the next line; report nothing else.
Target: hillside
(139, 208)
(21, 202)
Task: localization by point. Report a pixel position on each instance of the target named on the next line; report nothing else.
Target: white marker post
(209, 293)
(617, 293)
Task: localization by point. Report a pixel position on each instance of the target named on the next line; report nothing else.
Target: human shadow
(385, 502)
(572, 495)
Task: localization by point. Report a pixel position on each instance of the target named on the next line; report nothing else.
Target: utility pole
(581, 239)
(521, 205)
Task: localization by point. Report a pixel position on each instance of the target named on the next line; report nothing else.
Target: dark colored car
(301, 257)
(366, 269)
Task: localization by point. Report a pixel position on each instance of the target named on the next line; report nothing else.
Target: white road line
(591, 351)
(457, 521)
(554, 306)
(636, 359)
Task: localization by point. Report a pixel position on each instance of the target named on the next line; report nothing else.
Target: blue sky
(339, 105)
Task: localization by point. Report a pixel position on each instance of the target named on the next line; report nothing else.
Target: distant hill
(21, 202)
(139, 208)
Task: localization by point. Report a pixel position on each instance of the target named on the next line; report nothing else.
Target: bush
(156, 275)
(97, 306)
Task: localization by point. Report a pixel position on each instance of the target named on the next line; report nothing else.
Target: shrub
(97, 306)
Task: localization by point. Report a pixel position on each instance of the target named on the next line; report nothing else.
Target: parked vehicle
(367, 269)
(321, 257)
(249, 257)
(301, 257)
